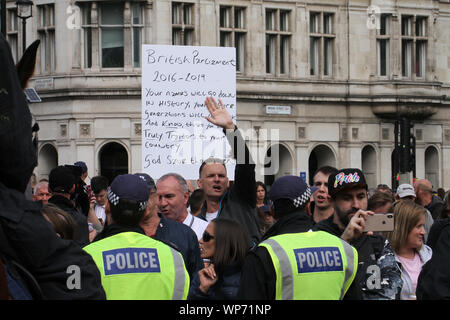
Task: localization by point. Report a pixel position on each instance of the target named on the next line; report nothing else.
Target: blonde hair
(407, 215)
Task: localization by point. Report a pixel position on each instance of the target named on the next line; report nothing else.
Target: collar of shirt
(189, 221)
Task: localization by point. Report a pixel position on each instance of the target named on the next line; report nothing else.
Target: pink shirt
(413, 267)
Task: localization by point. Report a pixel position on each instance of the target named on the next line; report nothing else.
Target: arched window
(47, 160)
(320, 156)
(369, 165)
(278, 163)
(113, 160)
(432, 166)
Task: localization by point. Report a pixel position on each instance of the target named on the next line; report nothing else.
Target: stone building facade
(330, 76)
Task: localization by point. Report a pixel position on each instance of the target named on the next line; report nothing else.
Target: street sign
(278, 110)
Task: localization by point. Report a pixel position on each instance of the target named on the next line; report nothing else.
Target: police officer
(133, 265)
(292, 264)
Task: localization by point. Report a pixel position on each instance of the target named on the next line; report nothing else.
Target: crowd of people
(134, 238)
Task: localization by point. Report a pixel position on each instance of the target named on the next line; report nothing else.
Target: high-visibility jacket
(137, 267)
(311, 265)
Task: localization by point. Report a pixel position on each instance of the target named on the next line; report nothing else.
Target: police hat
(292, 188)
(148, 180)
(130, 187)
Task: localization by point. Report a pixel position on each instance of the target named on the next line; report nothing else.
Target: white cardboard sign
(176, 80)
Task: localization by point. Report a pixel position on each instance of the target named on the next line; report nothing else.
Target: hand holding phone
(379, 222)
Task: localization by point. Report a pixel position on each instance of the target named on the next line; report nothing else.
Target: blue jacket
(226, 288)
(182, 238)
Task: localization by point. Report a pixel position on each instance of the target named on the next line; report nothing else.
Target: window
(420, 58)
(321, 43)
(233, 32)
(137, 24)
(414, 45)
(46, 31)
(106, 28)
(383, 41)
(87, 34)
(182, 23)
(111, 35)
(12, 33)
(278, 41)
(406, 57)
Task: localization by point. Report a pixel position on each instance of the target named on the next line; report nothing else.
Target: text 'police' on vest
(318, 259)
(131, 260)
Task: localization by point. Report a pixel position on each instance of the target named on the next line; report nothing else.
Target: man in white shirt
(173, 195)
(99, 185)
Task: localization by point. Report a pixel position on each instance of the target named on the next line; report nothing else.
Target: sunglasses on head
(207, 237)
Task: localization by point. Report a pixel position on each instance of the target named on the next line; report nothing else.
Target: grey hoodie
(425, 254)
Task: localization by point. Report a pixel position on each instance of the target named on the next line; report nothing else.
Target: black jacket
(239, 203)
(434, 279)
(435, 207)
(182, 238)
(81, 235)
(258, 276)
(28, 238)
(225, 288)
(378, 276)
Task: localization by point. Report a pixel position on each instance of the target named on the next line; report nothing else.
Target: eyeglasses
(207, 237)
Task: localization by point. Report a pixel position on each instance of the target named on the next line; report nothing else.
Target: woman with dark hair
(263, 206)
(261, 194)
(224, 243)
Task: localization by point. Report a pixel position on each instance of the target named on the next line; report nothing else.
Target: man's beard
(343, 215)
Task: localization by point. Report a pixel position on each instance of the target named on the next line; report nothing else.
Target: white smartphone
(380, 222)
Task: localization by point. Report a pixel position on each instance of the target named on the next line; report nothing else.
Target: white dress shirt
(196, 224)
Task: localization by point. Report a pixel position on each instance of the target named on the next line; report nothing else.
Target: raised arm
(244, 177)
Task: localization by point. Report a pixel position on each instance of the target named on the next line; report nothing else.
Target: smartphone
(380, 222)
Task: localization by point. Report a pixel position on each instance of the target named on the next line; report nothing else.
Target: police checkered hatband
(114, 199)
(303, 198)
(143, 205)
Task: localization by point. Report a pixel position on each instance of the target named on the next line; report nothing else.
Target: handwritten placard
(176, 80)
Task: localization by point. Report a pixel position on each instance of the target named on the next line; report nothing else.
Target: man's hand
(356, 226)
(219, 115)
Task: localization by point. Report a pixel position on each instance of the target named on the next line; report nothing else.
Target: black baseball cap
(61, 179)
(345, 179)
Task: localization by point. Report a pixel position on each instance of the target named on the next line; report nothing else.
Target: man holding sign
(238, 203)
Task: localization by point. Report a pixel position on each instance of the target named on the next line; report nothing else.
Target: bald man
(424, 196)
